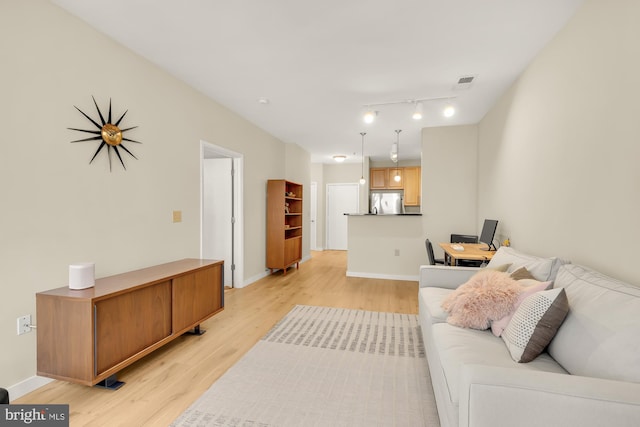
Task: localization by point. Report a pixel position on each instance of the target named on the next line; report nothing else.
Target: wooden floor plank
(163, 384)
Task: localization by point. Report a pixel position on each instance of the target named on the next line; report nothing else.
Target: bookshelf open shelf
(284, 224)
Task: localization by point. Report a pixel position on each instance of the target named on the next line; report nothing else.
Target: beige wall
(559, 152)
(449, 182)
(58, 209)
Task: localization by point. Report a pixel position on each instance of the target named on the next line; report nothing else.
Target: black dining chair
(466, 238)
(430, 255)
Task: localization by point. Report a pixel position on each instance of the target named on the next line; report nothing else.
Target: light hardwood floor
(163, 384)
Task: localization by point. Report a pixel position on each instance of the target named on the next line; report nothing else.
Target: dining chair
(430, 255)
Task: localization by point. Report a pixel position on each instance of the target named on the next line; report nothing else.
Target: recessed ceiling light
(263, 101)
(339, 158)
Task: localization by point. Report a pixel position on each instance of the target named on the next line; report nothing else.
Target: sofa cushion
(535, 323)
(601, 335)
(459, 346)
(540, 268)
(431, 300)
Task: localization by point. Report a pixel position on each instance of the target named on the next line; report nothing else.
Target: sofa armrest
(494, 396)
(440, 276)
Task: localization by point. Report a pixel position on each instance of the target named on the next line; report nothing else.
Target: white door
(341, 199)
(313, 214)
(217, 216)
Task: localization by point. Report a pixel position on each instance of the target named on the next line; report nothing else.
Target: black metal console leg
(196, 331)
(110, 383)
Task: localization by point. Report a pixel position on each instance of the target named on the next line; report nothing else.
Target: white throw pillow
(535, 323)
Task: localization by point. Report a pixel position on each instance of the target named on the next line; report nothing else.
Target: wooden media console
(86, 336)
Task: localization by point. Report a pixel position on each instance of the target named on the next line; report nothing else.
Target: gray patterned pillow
(535, 323)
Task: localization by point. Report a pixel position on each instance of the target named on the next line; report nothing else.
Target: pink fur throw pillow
(487, 296)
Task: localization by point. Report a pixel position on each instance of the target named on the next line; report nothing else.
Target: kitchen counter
(385, 246)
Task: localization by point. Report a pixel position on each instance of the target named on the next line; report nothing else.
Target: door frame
(209, 150)
(313, 216)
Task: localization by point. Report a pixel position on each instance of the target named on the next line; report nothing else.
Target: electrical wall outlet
(396, 252)
(24, 323)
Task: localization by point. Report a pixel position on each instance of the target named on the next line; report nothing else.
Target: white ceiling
(319, 62)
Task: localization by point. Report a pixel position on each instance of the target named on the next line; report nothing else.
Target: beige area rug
(322, 366)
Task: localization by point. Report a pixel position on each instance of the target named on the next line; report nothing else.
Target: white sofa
(589, 374)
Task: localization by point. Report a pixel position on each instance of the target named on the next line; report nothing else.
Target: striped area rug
(322, 366)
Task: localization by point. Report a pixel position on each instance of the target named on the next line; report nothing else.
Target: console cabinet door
(292, 250)
(128, 323)
(196, 297)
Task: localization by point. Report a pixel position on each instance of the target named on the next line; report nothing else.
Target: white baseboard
(382, 276)
(16, 391)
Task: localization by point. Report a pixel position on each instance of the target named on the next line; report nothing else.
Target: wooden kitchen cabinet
(382, 179)
(86, 336)
(284, 224)
(412, 185)
(378, 178)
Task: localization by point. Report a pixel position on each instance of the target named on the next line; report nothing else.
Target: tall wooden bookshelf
(284, 224)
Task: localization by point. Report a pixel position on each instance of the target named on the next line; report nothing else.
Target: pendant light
(362, 180)
(397, 178)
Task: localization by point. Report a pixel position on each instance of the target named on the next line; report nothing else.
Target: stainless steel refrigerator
(386, 203)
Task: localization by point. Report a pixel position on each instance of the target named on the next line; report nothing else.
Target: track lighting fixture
(449, 110)
(369, 114)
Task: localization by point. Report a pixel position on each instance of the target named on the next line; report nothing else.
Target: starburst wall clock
(108, 133)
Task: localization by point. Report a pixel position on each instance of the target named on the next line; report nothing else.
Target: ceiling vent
(464, 82)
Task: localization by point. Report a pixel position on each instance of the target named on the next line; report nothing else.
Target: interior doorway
(341, 199)
(221, 210)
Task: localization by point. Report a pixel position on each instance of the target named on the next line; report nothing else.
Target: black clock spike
(99, 112)
(97, 151)
(119, 157)
(109, 110)
(131, 140)
(93, 138)
(109, 154)
(97, 132)
(124, 130)
(89, 118)
(130, 153)
(121, 117)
